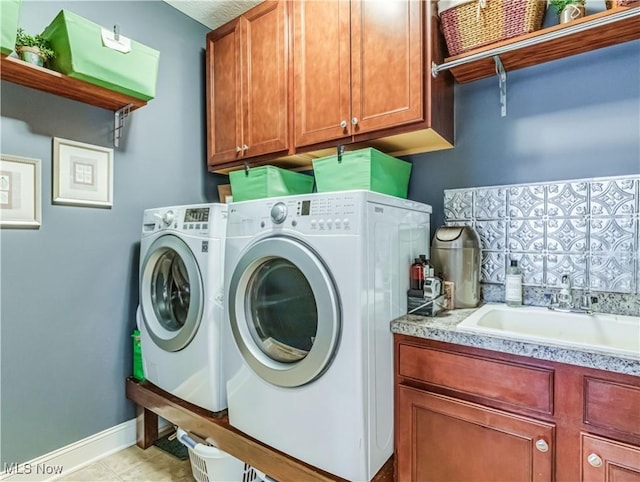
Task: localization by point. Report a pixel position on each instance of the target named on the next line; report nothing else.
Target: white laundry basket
(210, 464)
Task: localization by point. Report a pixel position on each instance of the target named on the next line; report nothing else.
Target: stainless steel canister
(455, 255)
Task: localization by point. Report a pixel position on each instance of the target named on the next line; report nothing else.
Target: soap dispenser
(513, 285)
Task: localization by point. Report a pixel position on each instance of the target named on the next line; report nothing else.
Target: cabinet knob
(594, 460)
(343, 124)
(245, 147)
(238, 149)
(354, 121)
(542, 446)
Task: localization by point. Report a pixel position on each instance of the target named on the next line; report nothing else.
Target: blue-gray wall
(568, 119)
(69, 289)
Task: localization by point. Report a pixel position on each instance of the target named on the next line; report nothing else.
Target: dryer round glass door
(284, 312)
(171, 293)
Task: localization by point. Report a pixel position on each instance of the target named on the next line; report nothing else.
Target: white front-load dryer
(313, 282)
(181, 314)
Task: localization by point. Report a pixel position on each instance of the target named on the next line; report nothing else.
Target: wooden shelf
(544, 50)
(19, 72)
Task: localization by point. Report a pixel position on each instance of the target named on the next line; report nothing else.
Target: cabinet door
(322, 66)
(387, 64)
(265, 79)
(608, 461)
(440, 438)
(224, 113)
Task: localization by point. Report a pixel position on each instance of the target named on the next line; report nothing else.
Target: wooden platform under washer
(152, 402)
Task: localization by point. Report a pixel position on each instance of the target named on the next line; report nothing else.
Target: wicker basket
(468, 25)
(618, 3)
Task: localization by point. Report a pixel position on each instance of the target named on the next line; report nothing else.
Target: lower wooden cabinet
(606, 460)
(468, 414)
(448, 439)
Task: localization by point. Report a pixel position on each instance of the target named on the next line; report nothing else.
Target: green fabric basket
(268, 181)
(80, 53)
(9, 14)
(367, 169)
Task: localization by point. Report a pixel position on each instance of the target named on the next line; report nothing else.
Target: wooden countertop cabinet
(471, 414)
(447, 439)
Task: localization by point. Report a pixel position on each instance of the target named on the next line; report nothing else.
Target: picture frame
(82, 174)
(20, 192)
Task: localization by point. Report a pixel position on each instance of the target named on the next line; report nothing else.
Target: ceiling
(213, 13)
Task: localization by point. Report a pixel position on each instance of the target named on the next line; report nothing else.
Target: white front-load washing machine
(181, 310)
(313, 282)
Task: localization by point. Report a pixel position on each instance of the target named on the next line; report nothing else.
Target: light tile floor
(135, 464)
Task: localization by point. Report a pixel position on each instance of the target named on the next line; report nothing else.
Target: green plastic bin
(82, 54)
(9, 15)
(268, 181)
(367, 169)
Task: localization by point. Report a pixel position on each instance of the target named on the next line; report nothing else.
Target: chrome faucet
(563, 300)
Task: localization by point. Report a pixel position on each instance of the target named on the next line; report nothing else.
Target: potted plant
(33, 48)
(568, 10)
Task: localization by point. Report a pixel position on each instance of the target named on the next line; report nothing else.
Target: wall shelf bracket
(119, 121)
(502, 83)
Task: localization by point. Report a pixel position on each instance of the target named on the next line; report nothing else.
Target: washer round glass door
(171, 293)
(284, 312)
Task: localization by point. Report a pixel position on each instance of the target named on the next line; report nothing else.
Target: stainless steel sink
(612, 334)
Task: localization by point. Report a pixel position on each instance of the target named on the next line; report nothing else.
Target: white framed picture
(20, 187)
(82, 174)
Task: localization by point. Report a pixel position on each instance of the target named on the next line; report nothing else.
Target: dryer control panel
(331, 213)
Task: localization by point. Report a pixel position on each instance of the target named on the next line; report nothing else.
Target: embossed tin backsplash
(586, 228)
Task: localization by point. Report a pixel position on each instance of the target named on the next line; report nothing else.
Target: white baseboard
(74, 456)
(65, 460)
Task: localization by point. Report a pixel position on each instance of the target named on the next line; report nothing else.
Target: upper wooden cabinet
(247, 89)
(361, 72)
(290, 80)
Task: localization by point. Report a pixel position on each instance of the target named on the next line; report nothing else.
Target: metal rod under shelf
(563, 32)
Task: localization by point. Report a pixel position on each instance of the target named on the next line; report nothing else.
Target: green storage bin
(81, 53)
(367, 169)
(9, 15)
(268, 181)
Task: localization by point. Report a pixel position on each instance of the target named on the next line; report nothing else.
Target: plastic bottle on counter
(513, 285)
(416, 275)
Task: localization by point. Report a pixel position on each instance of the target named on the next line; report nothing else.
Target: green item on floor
(89, 52)
(170, 444)
(138, 369)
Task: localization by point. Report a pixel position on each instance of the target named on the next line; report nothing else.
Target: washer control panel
(189, 220)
